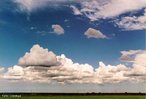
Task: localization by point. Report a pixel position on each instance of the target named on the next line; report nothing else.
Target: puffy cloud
(101, 9)
(129, 56)
(111, 74)
(69, 72)
(140, 60)
(138, 70)
(57, 29)
(14, 73)
(133, 23)
(1, 71)
(93, 33)
(38, 57)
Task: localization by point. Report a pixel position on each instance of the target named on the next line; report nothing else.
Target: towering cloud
(41, 65)
(38, 57)
(93, 33)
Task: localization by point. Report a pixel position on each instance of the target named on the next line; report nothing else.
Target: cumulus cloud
(38, 56)
(133, 23)
(129, 56)
(138, 71)
(111, 74)
(57, 29)
(101, 9)
(1, 71)
(69, 72)
(14, 73)
(93, 33)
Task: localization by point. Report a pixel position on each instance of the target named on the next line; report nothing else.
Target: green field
(75, 97)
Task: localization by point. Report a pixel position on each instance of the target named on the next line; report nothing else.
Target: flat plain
(76, 97)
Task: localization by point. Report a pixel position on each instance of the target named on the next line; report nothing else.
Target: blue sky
(17, 36)
(26, 23)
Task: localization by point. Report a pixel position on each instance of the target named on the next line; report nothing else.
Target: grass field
(74, 97)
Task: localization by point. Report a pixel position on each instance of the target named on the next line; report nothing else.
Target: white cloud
(93, 33)
(93, 9)
(111, 74)
(140, 62)
(38, 56)
(129, 56)
(101, 9)
(133, 23)
(69, 72)
(34, 5)
(57, 29)
(30, 5)
(138, 71)
(1, 71)
(14, 73)
(76, 11)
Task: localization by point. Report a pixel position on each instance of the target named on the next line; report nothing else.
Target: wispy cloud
(133, 23)
(94, 9)
(129, 56)
(33, 5)
(101, 9)
(76, 11)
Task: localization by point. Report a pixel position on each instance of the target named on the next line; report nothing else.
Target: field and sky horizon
(76, 97)
(73, 46)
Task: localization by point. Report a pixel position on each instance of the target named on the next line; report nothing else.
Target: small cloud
(76, 11)
(129, 56)
(33, 28)
(66, 20)
(57, 29)
(93, 33)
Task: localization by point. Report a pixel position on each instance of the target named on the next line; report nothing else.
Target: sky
(72, 45)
